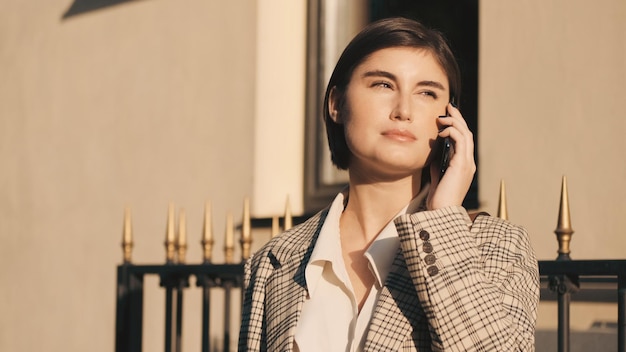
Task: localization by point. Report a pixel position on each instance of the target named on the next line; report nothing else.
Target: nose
(402, 110)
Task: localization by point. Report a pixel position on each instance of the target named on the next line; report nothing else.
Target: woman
(394, 264)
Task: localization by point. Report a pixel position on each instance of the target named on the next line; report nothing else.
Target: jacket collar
(286, 285)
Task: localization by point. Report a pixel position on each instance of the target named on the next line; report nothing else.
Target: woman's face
(393, 100)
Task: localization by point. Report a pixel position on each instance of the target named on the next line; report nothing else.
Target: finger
(456, 121)
(460, 131)
(463, 142)
(457, 117)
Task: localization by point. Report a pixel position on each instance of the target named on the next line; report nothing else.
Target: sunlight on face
(392, 103)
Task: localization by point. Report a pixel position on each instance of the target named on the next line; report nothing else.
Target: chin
(403, 169)
(404, 162)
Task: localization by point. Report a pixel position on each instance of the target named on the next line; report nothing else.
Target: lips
(399, 135)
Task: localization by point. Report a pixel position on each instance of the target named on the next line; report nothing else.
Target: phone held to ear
(445, 148)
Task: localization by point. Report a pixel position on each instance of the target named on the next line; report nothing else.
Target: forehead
(403, 59)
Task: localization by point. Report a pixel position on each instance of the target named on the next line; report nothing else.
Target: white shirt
(330, 318)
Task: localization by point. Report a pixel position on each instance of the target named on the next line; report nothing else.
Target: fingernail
(442, 116)
(453, 104)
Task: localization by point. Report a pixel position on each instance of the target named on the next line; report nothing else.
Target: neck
(372, 204)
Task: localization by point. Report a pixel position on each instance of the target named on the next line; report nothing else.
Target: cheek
(430, 127)
(430, 136)
(353, 132)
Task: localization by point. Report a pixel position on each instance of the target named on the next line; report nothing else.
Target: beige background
(160, 101)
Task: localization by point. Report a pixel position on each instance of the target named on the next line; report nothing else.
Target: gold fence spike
(170, 237)
(275, 226)
(288, 218)
(207, 233)
(503, 212)
(229, 243)
(181, 239)
(564, 229)
(246, 235)
(127, 237)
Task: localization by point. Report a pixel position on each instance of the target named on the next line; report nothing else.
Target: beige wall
(152, 102)
(140, 104)
(552, 88)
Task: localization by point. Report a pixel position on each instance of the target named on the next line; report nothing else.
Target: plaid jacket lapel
(396, 308)
(286, 285)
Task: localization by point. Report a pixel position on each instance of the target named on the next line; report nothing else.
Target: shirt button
(427, 247)
(430, 259)
(424, 235)
(432, 270)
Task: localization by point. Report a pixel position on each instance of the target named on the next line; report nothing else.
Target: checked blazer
(454, 285)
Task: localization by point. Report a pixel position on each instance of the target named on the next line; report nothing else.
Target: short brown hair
(385, 33)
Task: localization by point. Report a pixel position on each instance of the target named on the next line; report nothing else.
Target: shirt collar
(328, 246)
(380, 253)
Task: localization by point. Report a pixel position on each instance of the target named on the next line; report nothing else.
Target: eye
(429, 94)
(382, 84)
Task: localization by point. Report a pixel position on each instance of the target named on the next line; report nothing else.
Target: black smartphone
(445, 149)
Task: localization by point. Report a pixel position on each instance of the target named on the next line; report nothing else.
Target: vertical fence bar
(206, 317)
(122, 321)
(564, 285)
(229, 249)
(179, 318)
(204, 280)
(563, 319)
(169, 292)
(227, 292)
(174, 285)
(129, 310)
(621, 312)
(136, 311)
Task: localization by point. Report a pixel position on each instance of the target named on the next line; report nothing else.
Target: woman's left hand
(453, 186)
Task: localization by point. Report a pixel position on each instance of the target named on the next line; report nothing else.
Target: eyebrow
(391, 76)
(379, 73)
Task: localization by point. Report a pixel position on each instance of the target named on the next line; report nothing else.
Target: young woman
(394, 263)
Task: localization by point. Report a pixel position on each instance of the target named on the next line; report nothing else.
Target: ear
(333, 105)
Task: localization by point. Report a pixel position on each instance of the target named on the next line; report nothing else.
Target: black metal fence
(174, 278)
(589, 281)
(563, 281)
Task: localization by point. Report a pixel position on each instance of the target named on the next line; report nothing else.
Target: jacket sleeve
(478, 285)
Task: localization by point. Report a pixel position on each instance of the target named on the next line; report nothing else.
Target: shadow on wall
(82, 6)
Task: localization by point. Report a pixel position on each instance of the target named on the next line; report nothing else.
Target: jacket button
(427, 247)
(432, 270)
(430, 259)
(424, 235)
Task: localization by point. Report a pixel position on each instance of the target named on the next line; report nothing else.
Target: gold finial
(275, 226)
(170, 244)
(246, 235)
(229, 244)
(127, 237)
(207, 233)
(181, 243)
(288, 218)
(564, 229)
(503, 213)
